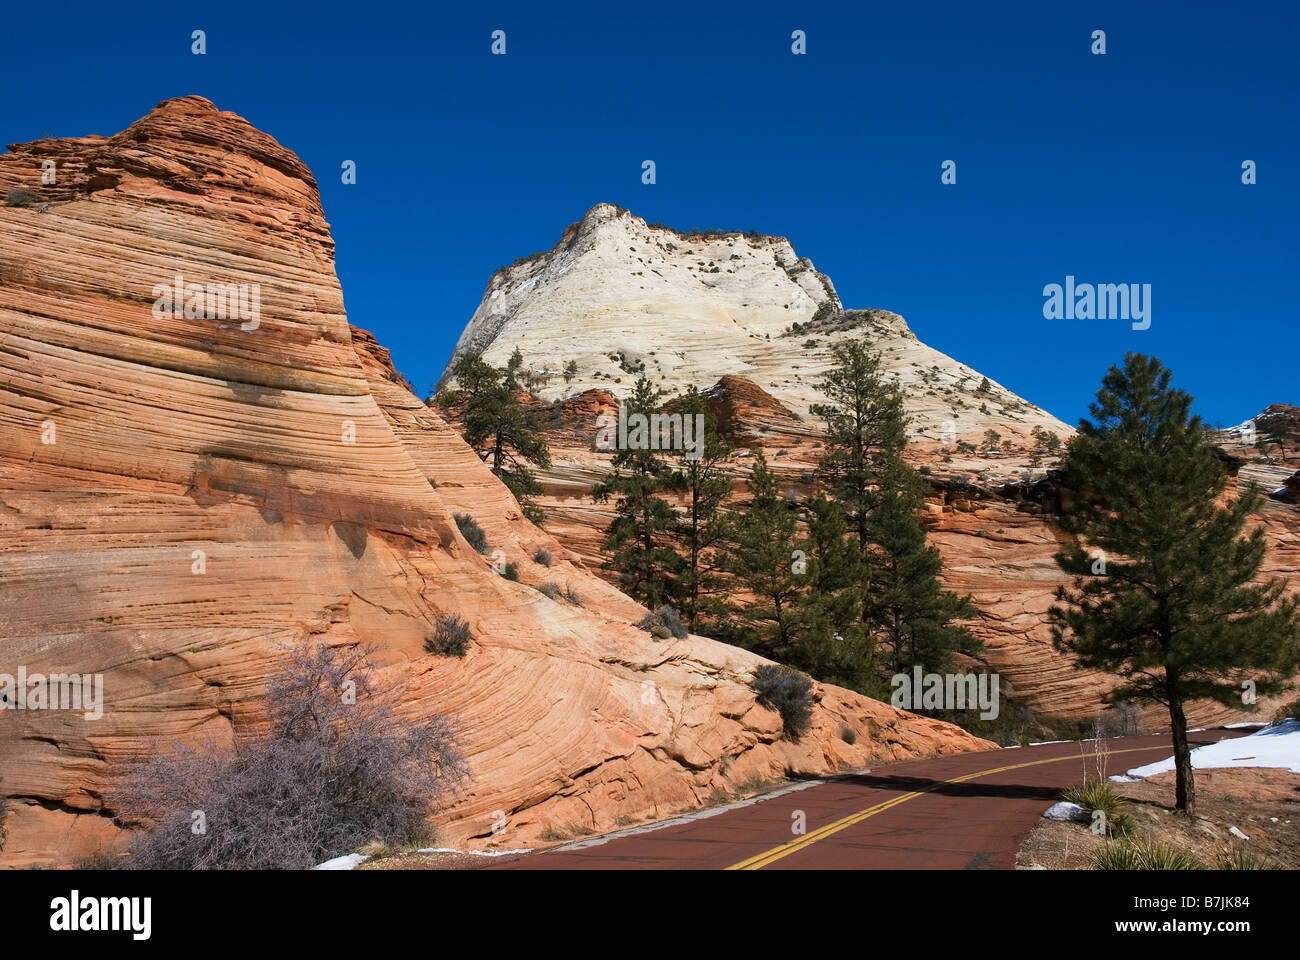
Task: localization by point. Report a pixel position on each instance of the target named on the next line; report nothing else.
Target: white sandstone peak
(619, 296)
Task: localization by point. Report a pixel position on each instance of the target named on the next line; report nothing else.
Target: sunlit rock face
(186, 484)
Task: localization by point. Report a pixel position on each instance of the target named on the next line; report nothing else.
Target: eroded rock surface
(178, 495)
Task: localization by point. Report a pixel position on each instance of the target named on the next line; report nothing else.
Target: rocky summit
(200, 460)
(617, 296)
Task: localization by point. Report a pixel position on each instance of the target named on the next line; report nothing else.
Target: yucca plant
(1144, 855)
(1239, 858)
(1095, 795)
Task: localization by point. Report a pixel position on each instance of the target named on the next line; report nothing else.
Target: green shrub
(19, 198)
(472, 532)
(789, 693)
(450, 637)
(511, 572)
(1143, 855)
(1095, 795)
(1289, 712)
(1239, 858)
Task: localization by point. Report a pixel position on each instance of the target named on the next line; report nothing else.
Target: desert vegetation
(336, 766)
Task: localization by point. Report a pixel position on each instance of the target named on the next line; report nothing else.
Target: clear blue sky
(1117, 168)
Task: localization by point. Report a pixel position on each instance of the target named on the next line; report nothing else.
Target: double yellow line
(794, 846)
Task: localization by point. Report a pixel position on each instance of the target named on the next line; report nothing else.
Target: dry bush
(335, 768)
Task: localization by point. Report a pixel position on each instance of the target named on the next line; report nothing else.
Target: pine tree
(864, 424)
(497, 427)
(704, 484)
(512, 368)
(640, 537)
(834, 644)
(910, 612)
(762, 562)
(1165, 592)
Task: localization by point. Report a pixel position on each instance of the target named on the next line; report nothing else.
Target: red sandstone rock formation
(178, 495)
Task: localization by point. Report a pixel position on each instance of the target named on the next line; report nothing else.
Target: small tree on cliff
(640, 537)
(1164, 595)
(504, 435)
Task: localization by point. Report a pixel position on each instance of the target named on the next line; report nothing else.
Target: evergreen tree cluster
(841, 584)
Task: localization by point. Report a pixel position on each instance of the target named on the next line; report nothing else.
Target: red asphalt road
(977, 824)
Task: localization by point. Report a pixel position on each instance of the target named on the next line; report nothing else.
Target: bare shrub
(542, 556)
(1122, 719)
(335, 768)
(450, 637)
(554, 592)
(19, 198)
(663, 622)
(472, 532)
(789, 693)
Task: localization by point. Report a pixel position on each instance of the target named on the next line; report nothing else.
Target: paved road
(963, 812)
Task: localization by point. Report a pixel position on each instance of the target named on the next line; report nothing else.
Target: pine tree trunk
(1184, 790)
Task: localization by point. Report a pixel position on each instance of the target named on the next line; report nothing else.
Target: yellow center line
(808, 839)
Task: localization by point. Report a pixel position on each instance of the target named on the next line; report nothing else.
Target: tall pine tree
(640, 537)
(864, 423)
(910, 612)
(834, 643)
(704, 484)
(1165, 593)
(762, 562)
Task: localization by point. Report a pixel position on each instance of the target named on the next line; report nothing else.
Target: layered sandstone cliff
(179, 494)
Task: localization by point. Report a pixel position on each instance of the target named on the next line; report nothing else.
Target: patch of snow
(1064, 810)
(1277, 746)
(349, 861)
(473, 853)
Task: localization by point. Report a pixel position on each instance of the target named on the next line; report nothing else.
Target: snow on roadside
(1065, 810)
(349, 861)
(1277, 746)
(474, 853)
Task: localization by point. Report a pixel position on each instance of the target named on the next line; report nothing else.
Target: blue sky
(1117, 168)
